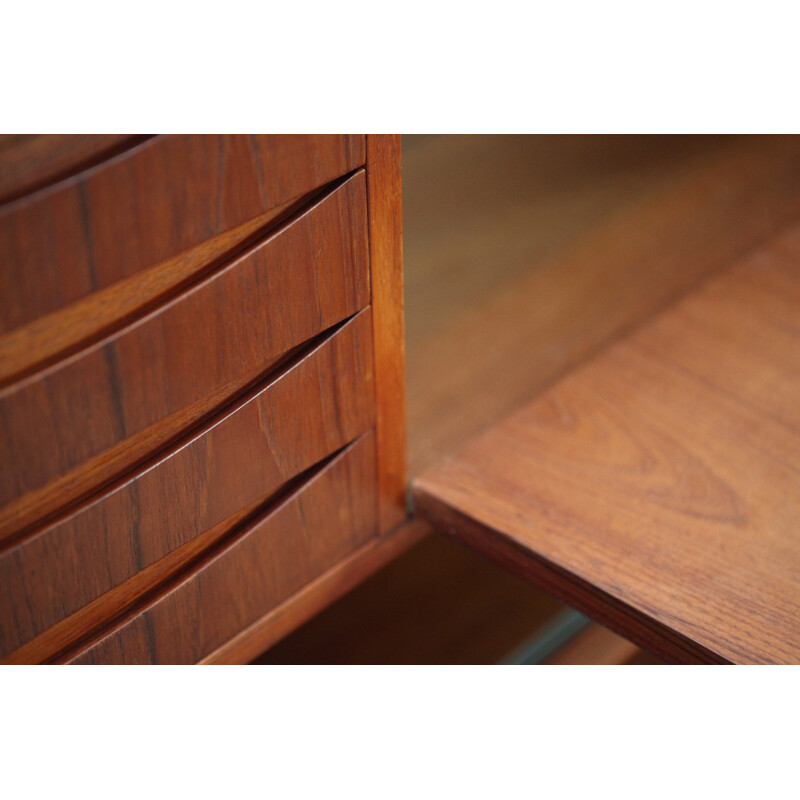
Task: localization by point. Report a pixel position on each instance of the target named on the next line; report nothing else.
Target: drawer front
(77, 257)
(84, 420)
(309, 532)
(195, 490)
(159, 199)
(32, 161)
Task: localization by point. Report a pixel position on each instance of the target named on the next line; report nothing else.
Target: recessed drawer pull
(85, 420)
(314, 528)
(190, 495)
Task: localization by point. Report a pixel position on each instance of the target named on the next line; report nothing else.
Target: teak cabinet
(201, 389)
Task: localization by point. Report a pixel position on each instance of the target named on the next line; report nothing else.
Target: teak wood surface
(85, 253)
(314, 528)
(79, 564)
(29, 162)
(83, 421)
(183, 338)
(656, 487)
(386, 263)
(319, 594)
(526, 255)
(386, 268)
(523, 256)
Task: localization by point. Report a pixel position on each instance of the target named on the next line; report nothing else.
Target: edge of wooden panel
(639, 628)
(384, 203)
(317, 595)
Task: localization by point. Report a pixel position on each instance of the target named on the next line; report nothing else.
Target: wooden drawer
(80, 255)
(191, 328)
(101, 555)
(86, 419)
(32, 161)
(321, 523)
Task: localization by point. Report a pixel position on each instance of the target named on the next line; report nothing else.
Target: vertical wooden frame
(384, 200)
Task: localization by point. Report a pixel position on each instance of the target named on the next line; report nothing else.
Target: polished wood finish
(82, 422)
(320, 403)
(317, 595)
(526, 255)
(316, 527)
(185, 340)
(139, 226)
(29, 162)
(655, 488)
(511, 278)
(385, 238)
(386, 259)
(35, 346)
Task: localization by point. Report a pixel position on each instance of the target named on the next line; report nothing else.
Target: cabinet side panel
(386, 263)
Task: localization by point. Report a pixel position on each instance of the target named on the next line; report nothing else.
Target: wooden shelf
(656, 487)
(524, 256)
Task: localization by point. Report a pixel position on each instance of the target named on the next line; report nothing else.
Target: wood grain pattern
(83, 421)
(322, 523)
(318, 405)
(386, 260)
(60, 334)
(144, 214)
(318, 594)
(525, 255)
(655, 488)
(29, 162)
(492, 227)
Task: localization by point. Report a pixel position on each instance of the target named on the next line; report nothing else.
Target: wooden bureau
(201, 389)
